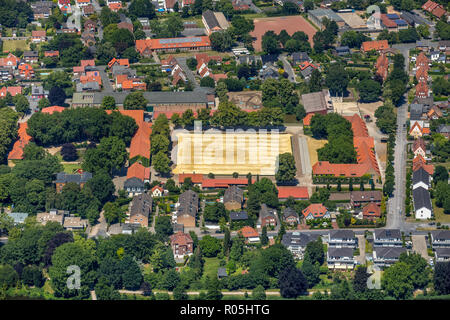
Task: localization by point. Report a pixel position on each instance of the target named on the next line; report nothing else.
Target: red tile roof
(52, 109)
(375, 45)
(439, 12)
(318, 210)
(419, 143)
(137, 170)
(12, 90)
(24, 138)
(38, 33)
(10, 61)
(91, 76)
(248, 232)
(86, 63)
(382, 66)
(121, 62)
(307, 119)
(296, 192)
(181, 238)
(429, 6)
(51, 53)
(196, 178)
(387, 22)
(371, 210)
(116, 6)
(422, 60)
(422, 90)
(223, 183)
(155, 44)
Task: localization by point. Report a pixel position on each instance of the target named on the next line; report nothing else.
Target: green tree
(161, 163)
(135, 101)
(292, 283)
(337, 79)
(396, 281)
(21, 103)
(259, 293)
(369, 90)
(108, 103)
(286, 170)
(210, 246)
(221, 40)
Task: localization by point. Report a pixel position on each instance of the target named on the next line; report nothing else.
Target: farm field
(234, 152)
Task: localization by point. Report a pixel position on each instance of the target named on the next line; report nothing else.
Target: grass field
(12, 45)
(313, 145)
(210, 268)
(440, 215)
(70, 167)
(231, 152)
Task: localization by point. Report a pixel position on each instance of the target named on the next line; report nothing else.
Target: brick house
(187, 209)
(233, 198)
(182, 244)
(63, 178)
(267, 216)
(141, 207)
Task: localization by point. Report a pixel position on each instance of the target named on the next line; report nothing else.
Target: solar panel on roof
(180, 40)
(392, 16)
(401, 22)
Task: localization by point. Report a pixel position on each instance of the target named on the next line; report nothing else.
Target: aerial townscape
(224, 150)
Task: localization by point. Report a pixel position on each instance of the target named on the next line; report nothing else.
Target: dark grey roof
(388, 234)
(443, 128)
(340, 252)
(248, 59)
(365, 196)
(298, 238)
(342, 234)
(188, 203)
(422, 199)
(233, 193)
(31, 54)
(416, 111)
(88, 86)
(141, 204)
(210, 19)
(236, 216)
(421, 176)
(63, 177)
(429, 101)
(307, 72)
(441, 235)
(134, 183)
(343, 49)
(389, 252)
(299, 57)
(442, 252)
(222, 272)
(269, 73)
(411, 18)
(265, 211)
(269, 58)
(289, 212)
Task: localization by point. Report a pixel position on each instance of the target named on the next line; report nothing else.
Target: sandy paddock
(225, 154)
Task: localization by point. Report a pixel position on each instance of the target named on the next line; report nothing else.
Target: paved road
(107, 87)
(187, 71)
(288, 68)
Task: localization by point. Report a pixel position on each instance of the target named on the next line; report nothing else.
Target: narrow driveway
(362, 249)
(420, 245)
(288, 68)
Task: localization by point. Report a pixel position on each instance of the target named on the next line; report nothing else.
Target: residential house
(88, 10)
(267, 216)
(416, 111)
(88, 38)
(214, 21)
(299, 57)
(371, 211)
(440, 239)
(420, 162)
(290, 216)
(434, 8)
(382, 66)
(386, 256)
(18, 217)
(120, 62)
(182, 245)
(422, 74)
(90, 25)
(30, 56)
(233, 198)
(374, 45)
(296, 242)
(296, 192)
(342, 239)
(434, 113)
(236, 216)
(421, 178)
(6, 74)
(187, 209)
(137, 170)
(134, 186)
(83, 3)
(444, 130)
(222, 273)
(423, 208)
(51, 53)
(11, 90)
(306, 69)
(269, 72)
(250, 235)
(157, 191)
(87, 86)
(52, 109)
(42, 12)
(26, 71)
(419, 129)
(422, 90)
(444, 45)
(141, 208)
(317, 102)
(360, 198)
(342, 51)
(419, 148)
(75, 223)
(38, 36)
(442, 254)
(387, 238)
(340, 258)
(38, 92)
(316, 211)
(11, 61)
(53, 215)
(63, 178)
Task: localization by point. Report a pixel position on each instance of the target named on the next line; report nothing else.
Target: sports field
(291, 24)
(225, 154)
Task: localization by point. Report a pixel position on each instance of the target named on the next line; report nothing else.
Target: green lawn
(12, 45)
(440, 215)
(70, 167)
(210, 268)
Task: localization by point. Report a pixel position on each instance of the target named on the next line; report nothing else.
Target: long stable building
(366, 160)
(146, 46)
